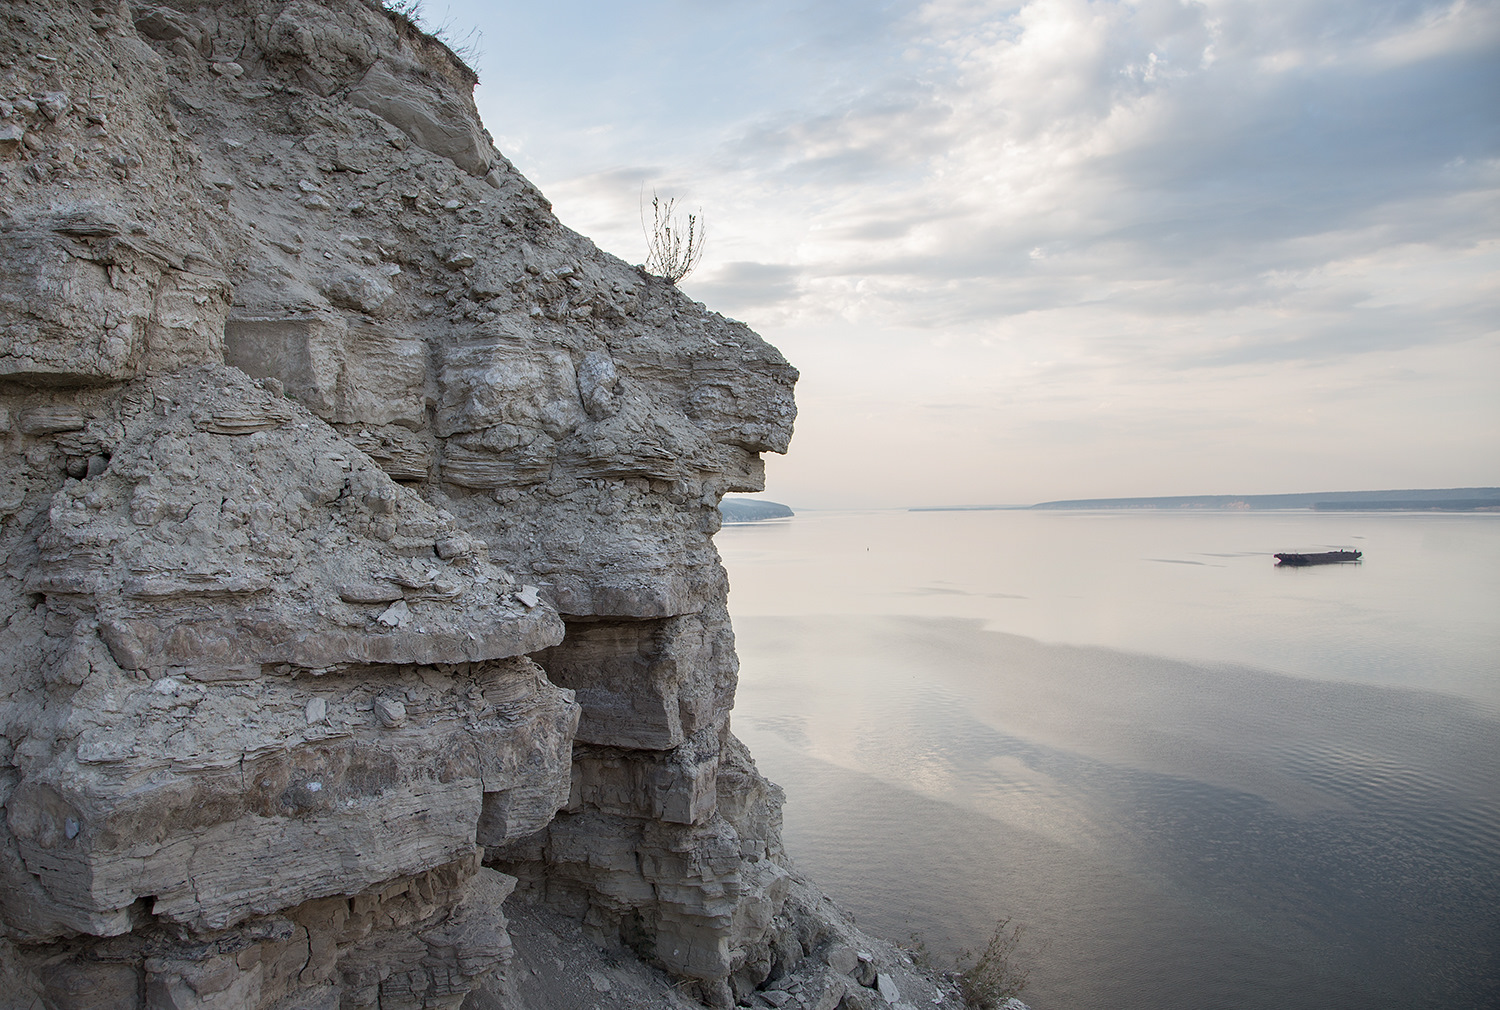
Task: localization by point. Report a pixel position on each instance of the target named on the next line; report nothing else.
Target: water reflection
(1176, 834)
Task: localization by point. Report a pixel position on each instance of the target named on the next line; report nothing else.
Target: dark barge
(1319, 558)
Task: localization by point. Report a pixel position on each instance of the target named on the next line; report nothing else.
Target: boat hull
(1319, 558)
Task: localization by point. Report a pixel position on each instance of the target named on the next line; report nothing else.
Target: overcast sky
(1034, 250)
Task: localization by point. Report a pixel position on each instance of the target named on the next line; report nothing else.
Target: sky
(1024, 251)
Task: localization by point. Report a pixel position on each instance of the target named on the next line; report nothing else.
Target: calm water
(1200, 781)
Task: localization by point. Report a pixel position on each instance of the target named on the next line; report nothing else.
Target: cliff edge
(357, 521)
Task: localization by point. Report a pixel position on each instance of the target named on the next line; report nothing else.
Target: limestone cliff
(357, 520)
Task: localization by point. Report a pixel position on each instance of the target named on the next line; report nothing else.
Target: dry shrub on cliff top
(467, 46)
(672, 251)
(993, 977)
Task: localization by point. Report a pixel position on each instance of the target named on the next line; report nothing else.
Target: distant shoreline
(1458, 499)
(752, 510)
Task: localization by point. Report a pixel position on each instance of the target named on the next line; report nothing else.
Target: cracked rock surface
(357, 521)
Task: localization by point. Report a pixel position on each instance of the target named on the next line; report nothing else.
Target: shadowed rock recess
(358, 562)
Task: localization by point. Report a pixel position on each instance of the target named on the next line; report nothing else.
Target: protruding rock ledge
(342, 491)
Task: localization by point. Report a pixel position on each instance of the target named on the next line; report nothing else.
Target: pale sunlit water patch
(1300, 807)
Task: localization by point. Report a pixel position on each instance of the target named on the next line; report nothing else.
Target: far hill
(749, 510)
(1452, 499)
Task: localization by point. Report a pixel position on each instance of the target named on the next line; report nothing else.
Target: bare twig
(468, 45)
(672, 250)
(992, 977)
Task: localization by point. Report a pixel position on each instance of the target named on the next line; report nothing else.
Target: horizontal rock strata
(357, 521)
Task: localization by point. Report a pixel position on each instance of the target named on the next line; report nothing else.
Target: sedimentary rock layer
(357, 520)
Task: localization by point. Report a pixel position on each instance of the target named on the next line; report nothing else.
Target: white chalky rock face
(357, 521)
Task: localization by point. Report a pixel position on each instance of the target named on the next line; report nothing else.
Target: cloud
(1057, 212)
(1159, 157)
(741, 285)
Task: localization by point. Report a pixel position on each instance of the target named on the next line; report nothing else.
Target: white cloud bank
(1060, 248)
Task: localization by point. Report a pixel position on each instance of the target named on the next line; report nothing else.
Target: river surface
(1198, 780)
